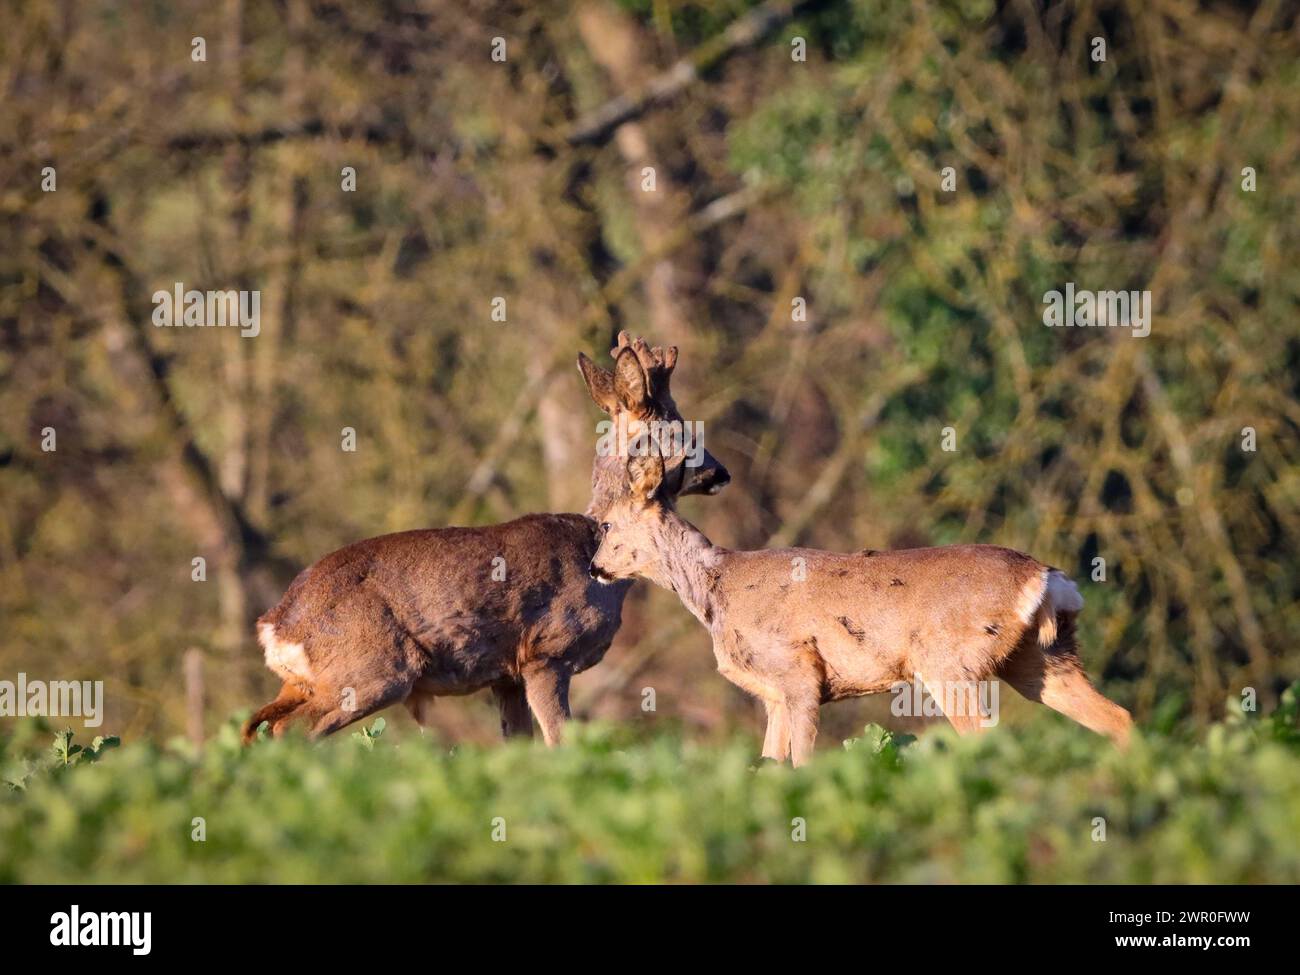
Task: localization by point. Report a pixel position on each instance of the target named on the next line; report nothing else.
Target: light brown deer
(799, 627)
(419, 614)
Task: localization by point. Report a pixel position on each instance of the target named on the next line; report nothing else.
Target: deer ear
(631, 384)
(645, 472)
(600, 383)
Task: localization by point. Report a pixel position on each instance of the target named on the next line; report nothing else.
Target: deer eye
(604, 528)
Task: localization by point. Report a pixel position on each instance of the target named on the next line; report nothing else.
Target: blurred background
(836, 309)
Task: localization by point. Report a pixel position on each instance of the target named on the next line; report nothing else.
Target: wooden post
(194, 696)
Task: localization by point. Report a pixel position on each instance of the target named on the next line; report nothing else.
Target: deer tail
(1060, 596)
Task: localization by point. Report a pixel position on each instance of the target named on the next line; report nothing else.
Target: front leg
(804, 712)
(776, 744)
(547, 688)
(788, 679)
(512, 701)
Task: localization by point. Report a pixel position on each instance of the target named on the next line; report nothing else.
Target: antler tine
(668, 357)
(646, 357)
(665, 360)
(658, 362)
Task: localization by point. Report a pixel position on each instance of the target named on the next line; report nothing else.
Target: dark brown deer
(420, 614)
(798, 627)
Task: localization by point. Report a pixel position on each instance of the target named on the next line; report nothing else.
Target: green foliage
(1007, 806)
(62, 754)
(880, 741)
(368, 736)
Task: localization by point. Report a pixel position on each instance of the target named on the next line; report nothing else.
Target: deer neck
(690, 565)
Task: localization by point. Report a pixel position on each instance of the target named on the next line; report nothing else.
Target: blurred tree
(837, 305)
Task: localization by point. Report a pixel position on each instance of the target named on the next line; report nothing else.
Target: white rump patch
(1065, 594)
(289, 660)
(1031, 597)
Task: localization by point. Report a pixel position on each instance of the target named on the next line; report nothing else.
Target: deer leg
(804, 713)
(776, 741)
(958, 698)
(776, 744)
(802, 705)
(1071, 693)
(964, 724)
(420, 704)
(1056, 678)
(279, 713)
(793, 700)
(547, 690)
(281, 724)
(362, 702)
(512, 700)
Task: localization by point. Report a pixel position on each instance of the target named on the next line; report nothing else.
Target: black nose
(709, 478)
(714, 480)
(592, 570)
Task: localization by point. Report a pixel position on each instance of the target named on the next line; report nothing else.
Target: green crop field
(1044, 802)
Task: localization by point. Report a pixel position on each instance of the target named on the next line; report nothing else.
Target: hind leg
(356, 703)
(287, 706)
(1071, 693)
(1056, 678)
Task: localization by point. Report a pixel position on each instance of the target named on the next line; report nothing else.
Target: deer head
(637, 398)
(630, 535)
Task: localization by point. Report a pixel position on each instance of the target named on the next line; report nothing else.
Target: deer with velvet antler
(420, 614)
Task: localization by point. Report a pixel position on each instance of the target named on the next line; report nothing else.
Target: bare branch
(742, 34)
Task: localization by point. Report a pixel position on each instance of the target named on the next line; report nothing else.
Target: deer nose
(709, 478)
(713, 480)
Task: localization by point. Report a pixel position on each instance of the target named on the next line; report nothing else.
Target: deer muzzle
(709, 477)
